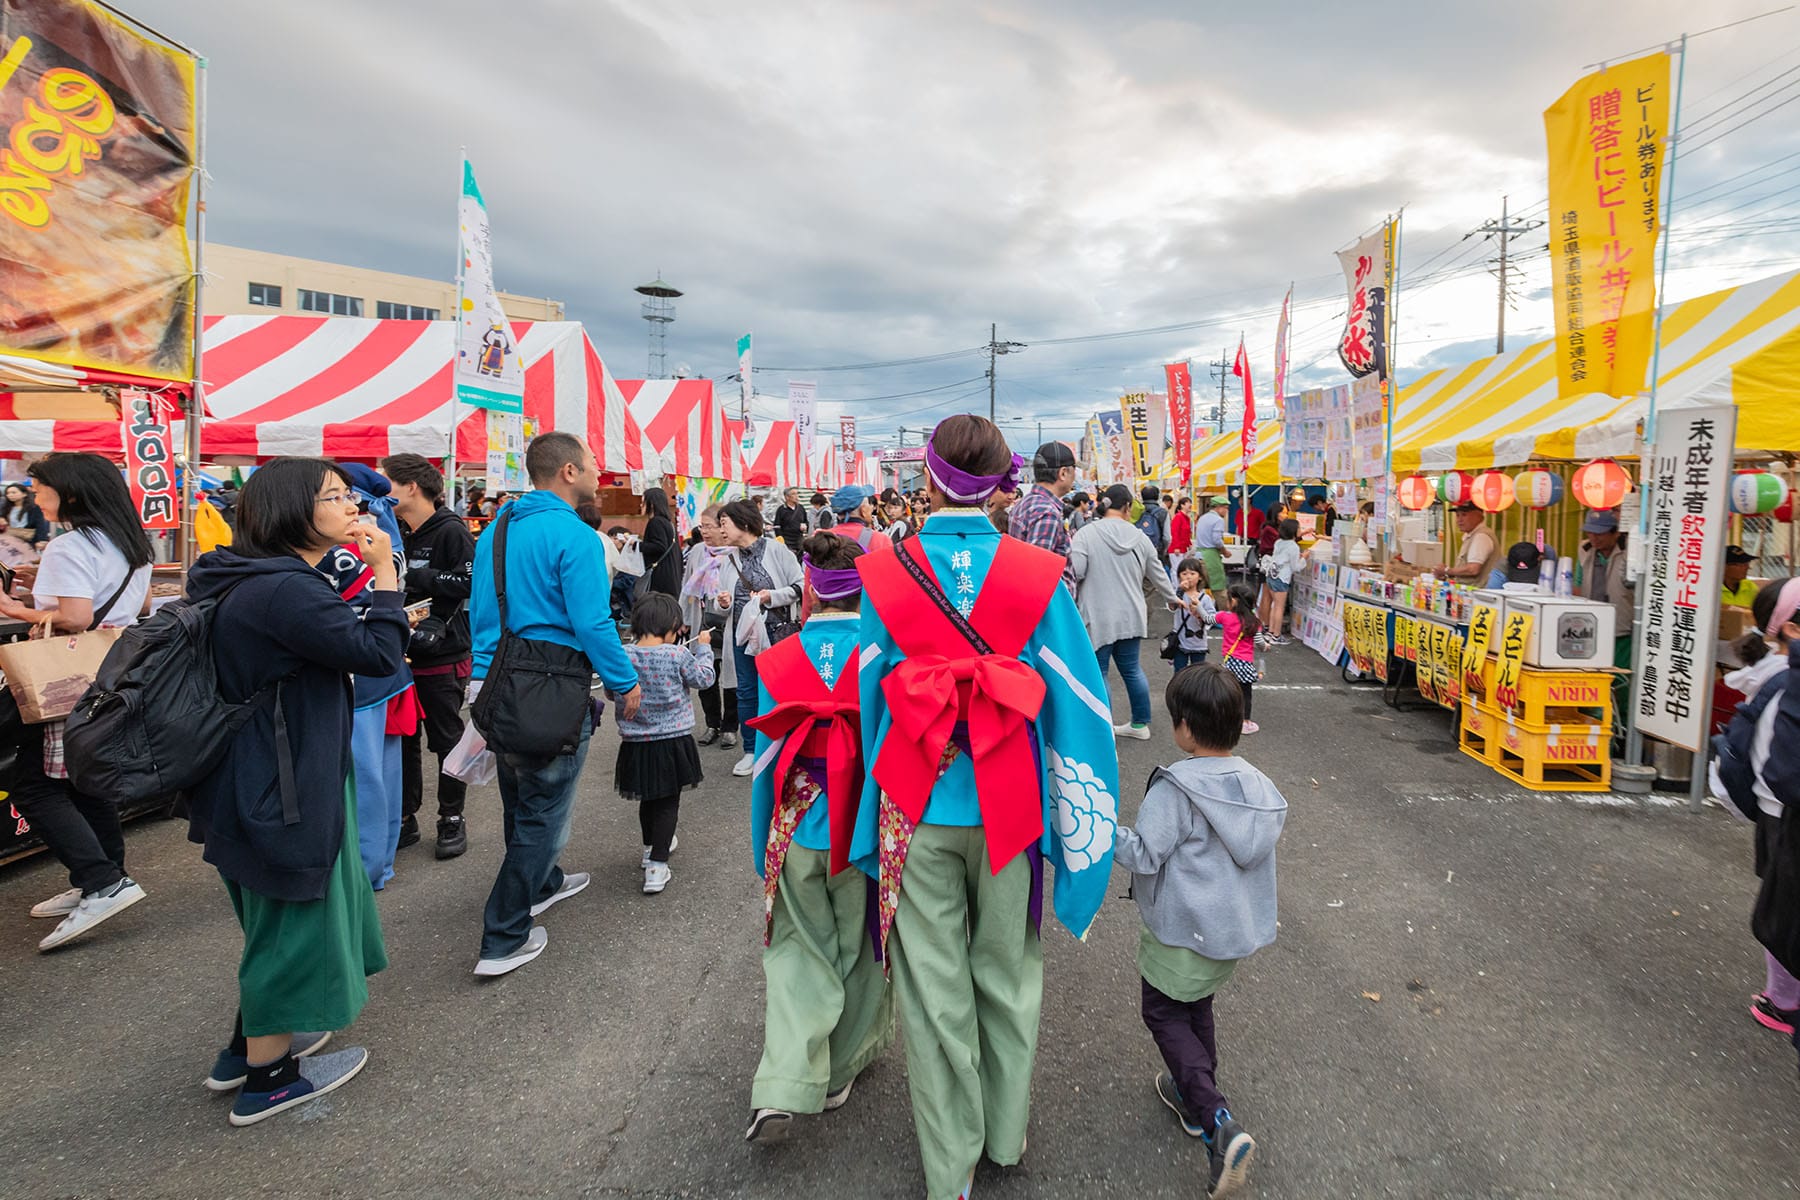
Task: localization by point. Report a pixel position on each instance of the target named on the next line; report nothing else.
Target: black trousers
(1247, 689)
(1184, 1034)
(719, 705)
(441, 696)
(82, 831)
(656, 821)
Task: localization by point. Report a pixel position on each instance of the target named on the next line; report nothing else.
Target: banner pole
(1393, 390)
(456, 324)
(190, 478)
(1634, 738)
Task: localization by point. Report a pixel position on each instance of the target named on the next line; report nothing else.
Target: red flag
(1181, 416)
(1241, 368)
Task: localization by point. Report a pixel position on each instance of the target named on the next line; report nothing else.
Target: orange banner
(1607, 139)
(97, 150)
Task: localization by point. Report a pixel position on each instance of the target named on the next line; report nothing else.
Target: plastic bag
(753, 629)
(470, 760)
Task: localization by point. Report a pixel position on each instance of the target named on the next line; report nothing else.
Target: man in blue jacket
(556, 591)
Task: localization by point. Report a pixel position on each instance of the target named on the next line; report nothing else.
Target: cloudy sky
(862, 182)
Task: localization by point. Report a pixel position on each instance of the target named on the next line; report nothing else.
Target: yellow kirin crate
(1550, 697)
(1573, 754)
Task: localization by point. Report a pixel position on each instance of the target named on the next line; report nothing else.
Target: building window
(387, 310)
(330, 302)
(266, 295)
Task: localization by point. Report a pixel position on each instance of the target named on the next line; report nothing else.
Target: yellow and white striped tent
(1741, 346)
(1217, 459)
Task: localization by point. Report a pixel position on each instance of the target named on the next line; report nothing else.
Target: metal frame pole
(196, 407)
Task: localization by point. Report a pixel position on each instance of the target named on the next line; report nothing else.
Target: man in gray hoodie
(1113, 565)
(1202, 864)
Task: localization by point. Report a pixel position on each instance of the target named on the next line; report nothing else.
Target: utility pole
(996, 347)
(1505, 228)
(1221, 368)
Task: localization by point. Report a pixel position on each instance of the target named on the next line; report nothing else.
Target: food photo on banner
(94, 194)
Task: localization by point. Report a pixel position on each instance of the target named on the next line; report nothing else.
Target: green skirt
(305, 962)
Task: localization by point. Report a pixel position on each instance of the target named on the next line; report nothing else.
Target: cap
(1465, 506)
(850, 498)
(1601, 520)
(1737, 556)
(1052, 456)
(1522, 563)
(1220, 502)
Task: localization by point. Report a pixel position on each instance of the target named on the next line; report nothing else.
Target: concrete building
(243, 282)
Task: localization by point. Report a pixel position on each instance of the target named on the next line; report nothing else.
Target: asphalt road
(1477, 992)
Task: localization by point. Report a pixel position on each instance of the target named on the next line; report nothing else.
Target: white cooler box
(1569, 634)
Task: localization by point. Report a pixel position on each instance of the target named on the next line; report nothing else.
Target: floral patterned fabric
(796, 799)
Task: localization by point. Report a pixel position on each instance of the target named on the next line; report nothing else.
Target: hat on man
(1465, 506)
(1737, 556)
(1050, 458)
(1601, 520)
(851, 497)
(1522, 563)
(1220, 502)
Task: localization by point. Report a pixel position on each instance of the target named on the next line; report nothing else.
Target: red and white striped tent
(351, 388)
(677, 427)
(776, 461)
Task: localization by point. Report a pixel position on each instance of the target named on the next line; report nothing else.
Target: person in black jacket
(662, 558)
(440, 557)
(790, 520)
(279, 822)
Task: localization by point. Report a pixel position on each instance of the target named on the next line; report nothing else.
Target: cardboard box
(1425, 555)
(1734, 623)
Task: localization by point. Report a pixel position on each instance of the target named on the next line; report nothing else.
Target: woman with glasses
(278, 814)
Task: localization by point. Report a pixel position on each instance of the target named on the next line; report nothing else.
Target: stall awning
(1216, 460)
(681, 429)
(1740, 345)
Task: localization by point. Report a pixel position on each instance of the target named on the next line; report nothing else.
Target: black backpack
(154, 724)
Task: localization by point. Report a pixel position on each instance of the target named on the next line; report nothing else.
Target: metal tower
(659, 310)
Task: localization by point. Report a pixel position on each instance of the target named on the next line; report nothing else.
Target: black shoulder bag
(936, 595)
(535, 699)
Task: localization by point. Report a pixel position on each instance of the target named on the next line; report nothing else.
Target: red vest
(943, 680)
(819, 722)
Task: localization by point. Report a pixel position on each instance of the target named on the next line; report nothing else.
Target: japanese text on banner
(1136, 411)
(1363, 346)
(149, 462)
(488, 372)
(1606, 140)
(1181, 416)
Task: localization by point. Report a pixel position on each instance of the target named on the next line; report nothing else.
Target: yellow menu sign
(1512, 660)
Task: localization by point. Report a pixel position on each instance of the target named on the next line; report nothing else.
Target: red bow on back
(834, 718)
(926, 695)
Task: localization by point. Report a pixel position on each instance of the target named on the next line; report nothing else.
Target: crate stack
(1557, 737)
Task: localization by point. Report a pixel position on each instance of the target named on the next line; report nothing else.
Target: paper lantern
(1416, 493)
(1603, 483)
(1757, 492)
(1455, 487)
(1785, 510)
(1538, 489)
(1492, 492)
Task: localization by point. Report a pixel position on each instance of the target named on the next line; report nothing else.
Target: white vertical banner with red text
(1181, 416)
(1687, 478)
(1363, 346)
(803, 411)
(149, 459)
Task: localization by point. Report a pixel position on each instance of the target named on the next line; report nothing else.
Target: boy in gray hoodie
(1202, 864)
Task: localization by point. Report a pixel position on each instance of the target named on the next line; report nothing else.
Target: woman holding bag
(760, 572)
(96, 574)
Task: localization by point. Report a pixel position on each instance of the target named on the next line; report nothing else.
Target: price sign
(1512, 660)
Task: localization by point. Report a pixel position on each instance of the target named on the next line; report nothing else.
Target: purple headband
(965, 488)
(830, 584)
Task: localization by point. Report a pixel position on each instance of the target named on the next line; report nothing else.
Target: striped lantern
(1754, 492)
(1416, 493)
(1603, 483)
(1492, 492)
(1456, 487)
(1538, 489)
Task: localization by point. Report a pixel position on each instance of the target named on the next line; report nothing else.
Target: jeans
(441, 727)
(747, 695)
(82, 831)
(1137, 687)
(1188, 658)
(537, 801)
(1184, 1035)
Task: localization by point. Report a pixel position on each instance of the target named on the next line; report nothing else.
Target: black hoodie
(284, 621)
(440, 559)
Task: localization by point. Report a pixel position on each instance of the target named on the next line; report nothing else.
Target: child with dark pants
(658, 759)
(1202, 862)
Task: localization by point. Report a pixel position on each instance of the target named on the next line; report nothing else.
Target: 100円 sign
(1686, 478)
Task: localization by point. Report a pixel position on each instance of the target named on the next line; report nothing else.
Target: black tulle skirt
(659, 769)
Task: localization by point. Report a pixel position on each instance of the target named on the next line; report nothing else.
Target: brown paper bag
(48, 672)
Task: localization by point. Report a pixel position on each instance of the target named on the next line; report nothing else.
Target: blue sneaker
(1171, 1096)
(318, 1075)
(230, 1070)
(1230, 1149)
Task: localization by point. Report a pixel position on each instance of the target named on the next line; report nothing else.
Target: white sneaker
(572, 883)
(656, 878)
(59, 905)
(674, 842)
(91, 910)
(744, 766)
(1139, 732)
(535, 941)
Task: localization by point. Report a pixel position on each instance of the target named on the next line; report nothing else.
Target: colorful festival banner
(1281, 356)
(1368, 429)
(695, 496)
(507, 436)
(803, 411)
(1688, 477)
(847, 436)
(746, 388)
(149, 459)
(100, 127)
(1336, 429)
(1606, 139)
(1115, 453)
(488, 372)
(1363, 346)
(1135, 409)
(1247, 437)
(1181, 416)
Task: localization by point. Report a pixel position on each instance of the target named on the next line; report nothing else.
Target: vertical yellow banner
(1136, 411)
(1607, 137)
